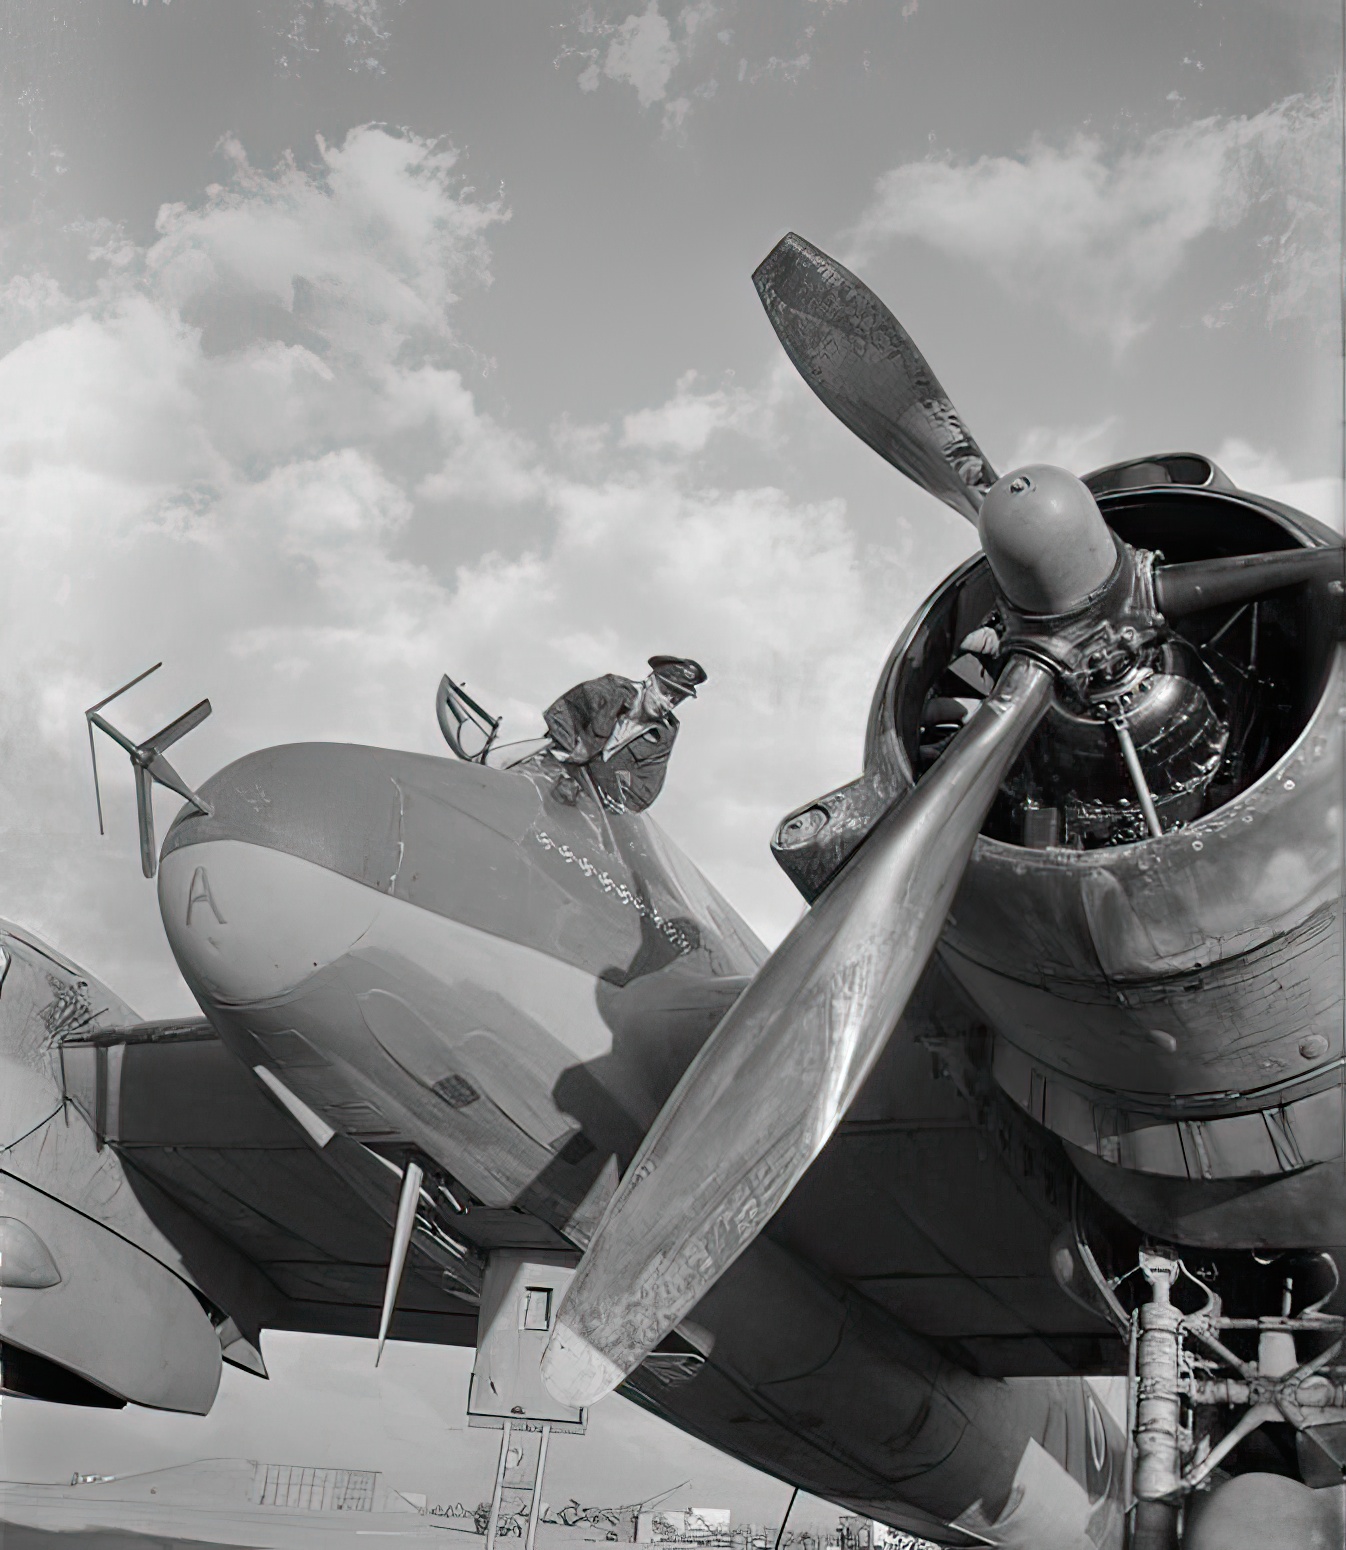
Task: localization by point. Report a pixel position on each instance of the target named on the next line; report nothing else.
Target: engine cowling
(1268, 1512)
(1110, 965)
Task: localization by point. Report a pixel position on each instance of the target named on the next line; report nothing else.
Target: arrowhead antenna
(148, 763)
(145, 818)
(89, 716)
(97, 794)
(117, 693)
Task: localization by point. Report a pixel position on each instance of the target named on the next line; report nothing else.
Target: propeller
(761, 1099)
(865, 367)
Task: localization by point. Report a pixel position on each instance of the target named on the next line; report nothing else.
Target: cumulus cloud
(642, 53)
(1097, 229)
(687, 421)
(220, 449)
(1076, 447)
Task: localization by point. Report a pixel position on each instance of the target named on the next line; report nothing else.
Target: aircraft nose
(262, 892)
(247, 923)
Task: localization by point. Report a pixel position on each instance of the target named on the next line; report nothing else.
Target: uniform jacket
(582, 720)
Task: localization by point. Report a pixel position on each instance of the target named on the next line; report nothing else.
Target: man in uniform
(621, 732)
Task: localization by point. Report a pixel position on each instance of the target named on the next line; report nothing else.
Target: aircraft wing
(847, 1347)
(932, 1201)
(279, 1231)
(939, 1200)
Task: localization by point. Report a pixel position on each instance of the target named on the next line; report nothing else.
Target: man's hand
(567, 790)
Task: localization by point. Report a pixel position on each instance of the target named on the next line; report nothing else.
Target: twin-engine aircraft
(1045, 1087)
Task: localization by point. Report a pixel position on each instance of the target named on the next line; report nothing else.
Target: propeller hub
(1047, 543)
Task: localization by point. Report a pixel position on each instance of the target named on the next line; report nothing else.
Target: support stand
(510, 1436)
(521, 1292)
(493, 1522)
(535, 1506)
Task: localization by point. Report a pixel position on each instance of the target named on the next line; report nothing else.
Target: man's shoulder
(613, 683)
(609, 691)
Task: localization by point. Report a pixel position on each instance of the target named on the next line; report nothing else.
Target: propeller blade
(145, 816)
(402, 1230)
(167, 736)
(865, 367)
(759, 1102)
(1198, 584)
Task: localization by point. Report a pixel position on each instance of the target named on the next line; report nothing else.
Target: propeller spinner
(1086, 619)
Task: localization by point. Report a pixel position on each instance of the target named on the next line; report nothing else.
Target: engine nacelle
(1268, 1512)
(1170, 1006)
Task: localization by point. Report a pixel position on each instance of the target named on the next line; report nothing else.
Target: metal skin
(444, 955)
(866, 368)
(1113, 978)
(98, 1305)
(1045, 539)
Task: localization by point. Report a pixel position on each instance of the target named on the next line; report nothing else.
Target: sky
(348, 342)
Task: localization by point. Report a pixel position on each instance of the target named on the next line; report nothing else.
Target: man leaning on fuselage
(618, 734)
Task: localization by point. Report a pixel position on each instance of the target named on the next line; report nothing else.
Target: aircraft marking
(609, 884)
(199, 893)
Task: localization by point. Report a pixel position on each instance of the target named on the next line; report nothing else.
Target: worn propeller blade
(865, 367)
(759, 1102)
(1188, 588)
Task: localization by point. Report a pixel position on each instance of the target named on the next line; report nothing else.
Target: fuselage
(442, 956)
(443, 959)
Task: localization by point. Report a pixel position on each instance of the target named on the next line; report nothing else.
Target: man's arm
(580, 722)
(641, 778)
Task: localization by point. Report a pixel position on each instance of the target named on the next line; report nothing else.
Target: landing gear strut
(1187, 1386)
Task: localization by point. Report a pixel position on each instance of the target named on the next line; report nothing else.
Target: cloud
(1097, 229)
(678, 59)
(643, 54)
(687, 421)
(790, 71)
(1076, 447)
(235, 449)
